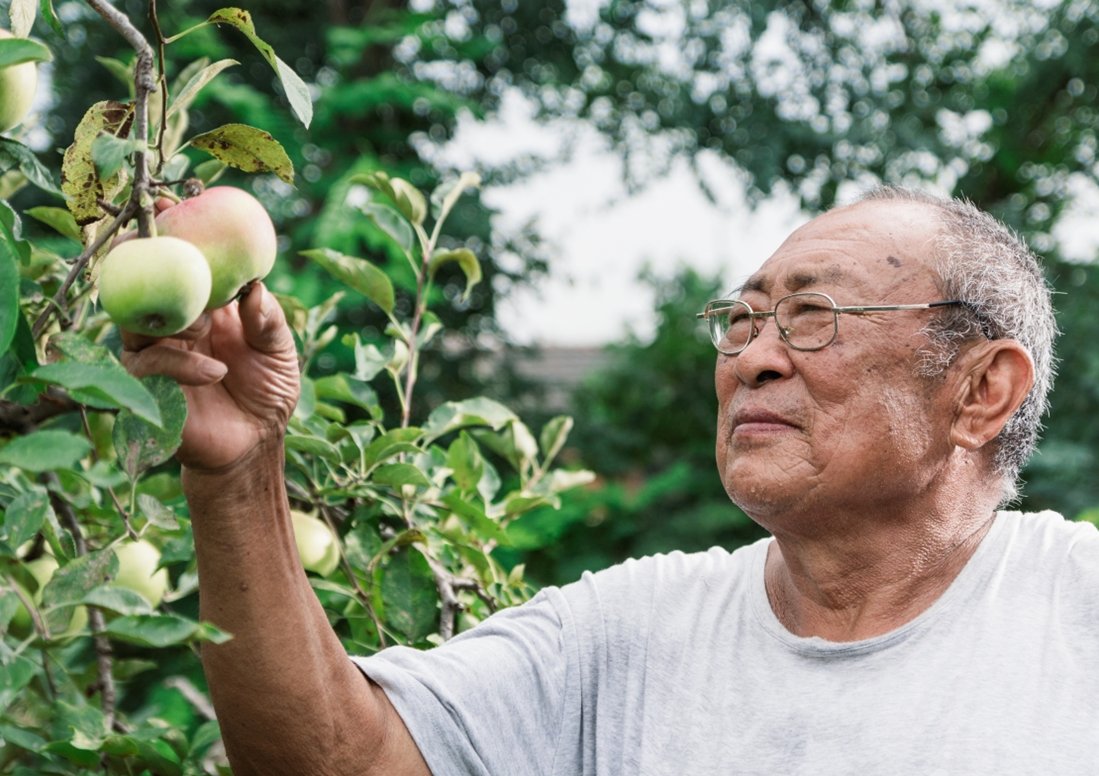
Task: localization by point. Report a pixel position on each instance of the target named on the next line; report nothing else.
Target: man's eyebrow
(796, 282)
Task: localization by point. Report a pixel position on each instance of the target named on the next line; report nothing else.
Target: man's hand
(239, 370)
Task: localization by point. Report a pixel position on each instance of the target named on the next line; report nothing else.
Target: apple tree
(397, 522)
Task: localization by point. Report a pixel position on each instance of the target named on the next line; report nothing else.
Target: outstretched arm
(288, 699)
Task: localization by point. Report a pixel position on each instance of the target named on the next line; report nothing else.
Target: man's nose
(766, 358)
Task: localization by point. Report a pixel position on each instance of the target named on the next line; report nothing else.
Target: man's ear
(995, 378)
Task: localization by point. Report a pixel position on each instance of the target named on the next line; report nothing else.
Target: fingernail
(212, 371)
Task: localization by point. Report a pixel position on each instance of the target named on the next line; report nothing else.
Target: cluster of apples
(206, 250)
(17, 87)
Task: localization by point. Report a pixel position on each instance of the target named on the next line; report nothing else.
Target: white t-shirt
(676, 664)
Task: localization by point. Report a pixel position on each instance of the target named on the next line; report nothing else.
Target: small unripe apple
(317, 545)
(17, 87)
(154, 285)
(42, 570)
(137, 570)
(234, 233)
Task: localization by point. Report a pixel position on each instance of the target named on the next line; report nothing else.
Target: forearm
(283, 686)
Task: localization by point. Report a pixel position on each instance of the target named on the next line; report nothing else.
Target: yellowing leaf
(247, 148)
(80, 182)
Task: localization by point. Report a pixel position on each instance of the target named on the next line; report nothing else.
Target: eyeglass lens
(806, 321)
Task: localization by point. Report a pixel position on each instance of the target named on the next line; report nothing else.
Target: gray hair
(989, 267)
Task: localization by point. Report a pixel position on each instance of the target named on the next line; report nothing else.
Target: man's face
(844, 427)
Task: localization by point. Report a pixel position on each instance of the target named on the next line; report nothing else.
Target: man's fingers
(264, 324)
(197, 330)
(184, 366)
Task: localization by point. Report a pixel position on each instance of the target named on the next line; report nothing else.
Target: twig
(103, 652)
(81, 261)
(162, 84)
(21, 419)
(364, 597)
(144, 84)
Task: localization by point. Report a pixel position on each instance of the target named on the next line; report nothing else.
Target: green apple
(17, 87)
(42, 570)
(234, 233)
(154, 285)
(137, 570)
(317, 545)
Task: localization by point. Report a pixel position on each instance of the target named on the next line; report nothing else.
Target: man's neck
(859, 586)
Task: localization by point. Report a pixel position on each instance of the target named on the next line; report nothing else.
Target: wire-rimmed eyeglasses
(806, 321)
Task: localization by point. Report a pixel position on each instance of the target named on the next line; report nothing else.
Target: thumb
(265, 327)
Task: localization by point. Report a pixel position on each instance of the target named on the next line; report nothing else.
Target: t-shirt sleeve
(491, 701)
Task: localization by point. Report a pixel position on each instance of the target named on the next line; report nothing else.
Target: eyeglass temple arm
(887, 307)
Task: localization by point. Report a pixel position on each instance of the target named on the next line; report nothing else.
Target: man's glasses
(805, 321)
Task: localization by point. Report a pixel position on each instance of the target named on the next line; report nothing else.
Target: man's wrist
(255, 475)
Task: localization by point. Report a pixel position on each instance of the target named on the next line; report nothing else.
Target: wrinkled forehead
(875, 248)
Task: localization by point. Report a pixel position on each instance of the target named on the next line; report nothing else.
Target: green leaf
(447, 193)
(369, 360)
(312, 445)
(153, 630)
(117, 599)
(43, 451)
(476, 519)
(391, 223)
(16, 156)
(9, 291)
(405, 197)
(553, 437)
(77, 347)
(17, 361)
(57, 218)
(24, 517)
(478, 411)
(109, 153)
(104, 386)
(465, 461)
(14, 676)
(246, 148)
(24, 739)
(465, 259)
(358, 274)
(185, 96)
(341, 387)
(397, 475)
(14, 51)
(409, 594)
(296, 91)
(72, 582)
(123, 72)
(46, 6)
(80, 181)
(391, 443)
(156, 512)
(141, 445)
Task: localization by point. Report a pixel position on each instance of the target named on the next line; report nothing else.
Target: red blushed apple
(234, 233)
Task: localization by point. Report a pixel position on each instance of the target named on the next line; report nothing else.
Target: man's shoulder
(1048, 541)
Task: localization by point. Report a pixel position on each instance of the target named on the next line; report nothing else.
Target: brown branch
(24, 418)
(103, 652)
(144, 84)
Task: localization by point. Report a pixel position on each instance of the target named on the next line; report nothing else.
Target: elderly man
(880, 383)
